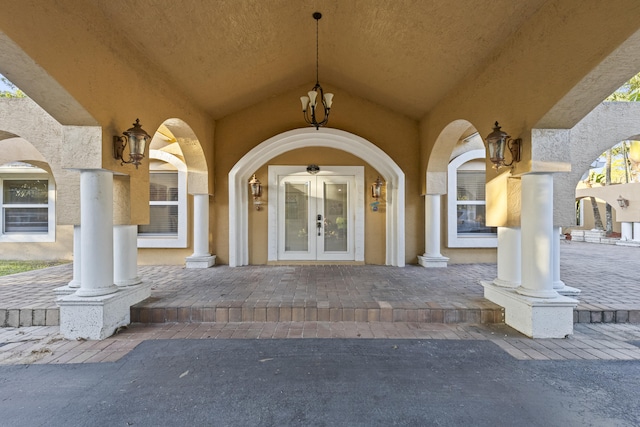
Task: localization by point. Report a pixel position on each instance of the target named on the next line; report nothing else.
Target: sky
(4, 87)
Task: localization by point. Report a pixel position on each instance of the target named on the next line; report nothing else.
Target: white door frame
(308, 137)
(356, 197)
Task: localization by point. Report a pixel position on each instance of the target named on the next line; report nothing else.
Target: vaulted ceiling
(402, 54)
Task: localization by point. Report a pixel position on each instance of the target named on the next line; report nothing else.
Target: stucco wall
(61, 249)
(110, 82)
(395, 134)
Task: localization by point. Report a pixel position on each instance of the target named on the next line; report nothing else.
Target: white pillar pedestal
(534, 317)
(636, 231)
(432, 257)
(535, 308)
(626, 231)
(98, 307)
(125, 255)
(201, 258)
(509, 266)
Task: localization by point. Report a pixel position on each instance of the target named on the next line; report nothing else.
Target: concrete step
(384, 312)
(199, 314)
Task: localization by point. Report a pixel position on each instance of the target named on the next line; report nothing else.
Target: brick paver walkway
(360, 297)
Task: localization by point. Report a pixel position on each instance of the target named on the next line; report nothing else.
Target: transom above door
(316, 217)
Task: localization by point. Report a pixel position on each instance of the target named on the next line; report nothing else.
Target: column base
(198, 261)
(128, 282)
(565, 290)
(534, 317)
(505, 283)
(96, 318)
(65, 290)
(432, 261)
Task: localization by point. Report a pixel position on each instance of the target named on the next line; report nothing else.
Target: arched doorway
(302, 138)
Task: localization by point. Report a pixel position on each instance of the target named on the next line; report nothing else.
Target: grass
(13, 267)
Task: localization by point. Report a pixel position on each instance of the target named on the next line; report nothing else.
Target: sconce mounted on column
(137, 139)
(256, 191)
(376, 189)
(497, 141)
(622, 202)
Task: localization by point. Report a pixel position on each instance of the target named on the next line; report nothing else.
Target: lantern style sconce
(256, 191)
(137, 139)
(622, 202)
(313, 169)
(497, 141)
(376, 189)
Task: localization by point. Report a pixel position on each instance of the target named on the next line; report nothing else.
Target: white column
(77, 257)
(432, 230)
(201, 257)
(636, 231)
(125, 255)
(558, 284)
(538, 235)
(509, 257)
(96, 235)
(626, 231)
(201, 225)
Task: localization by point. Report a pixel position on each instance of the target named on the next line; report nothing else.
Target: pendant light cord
(317, 55)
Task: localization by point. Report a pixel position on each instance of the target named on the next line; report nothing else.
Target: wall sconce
(256, 191)
(137, 139)
(497, 141)
(622, 202)
(376, 189)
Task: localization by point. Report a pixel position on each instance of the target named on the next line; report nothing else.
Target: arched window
(466, 205)
(167, 203)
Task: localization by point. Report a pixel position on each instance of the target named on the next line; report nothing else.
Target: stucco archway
(198, 177)
(436, 176)
(302, 138)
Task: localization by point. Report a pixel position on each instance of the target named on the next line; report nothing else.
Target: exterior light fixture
(256, 191)
(310, 103)
(376, 189)
(137, 139)
(313, 169)
(622, 202)
(497, 141)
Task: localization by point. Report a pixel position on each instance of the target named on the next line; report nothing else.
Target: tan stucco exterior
(412, 79)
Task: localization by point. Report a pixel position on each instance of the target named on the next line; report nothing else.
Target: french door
(316, 217)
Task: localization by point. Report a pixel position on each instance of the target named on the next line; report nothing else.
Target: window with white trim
(167, 226)
(163, 205)
(466, 203)
(28, 204)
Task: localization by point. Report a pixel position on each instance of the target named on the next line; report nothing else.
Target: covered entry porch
(335, 293)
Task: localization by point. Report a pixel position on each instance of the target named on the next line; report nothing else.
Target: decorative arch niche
(302, 138)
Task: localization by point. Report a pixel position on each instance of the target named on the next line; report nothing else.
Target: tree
(11, 91)
(630, 91)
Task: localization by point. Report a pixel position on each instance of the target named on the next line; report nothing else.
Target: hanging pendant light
(316, 99)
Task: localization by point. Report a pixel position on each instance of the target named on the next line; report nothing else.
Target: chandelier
(310, 102)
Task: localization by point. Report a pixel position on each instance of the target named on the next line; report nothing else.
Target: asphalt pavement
(319, 382)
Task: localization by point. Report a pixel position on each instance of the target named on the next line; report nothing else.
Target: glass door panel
(315, 218)
(296, 205)
(296, 217)
(336, 214)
